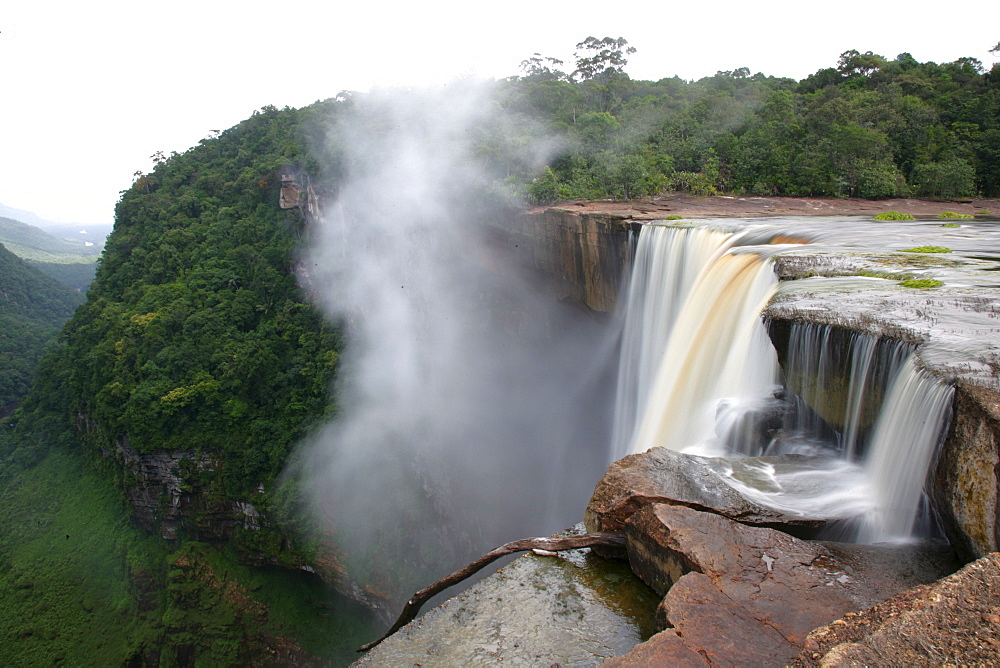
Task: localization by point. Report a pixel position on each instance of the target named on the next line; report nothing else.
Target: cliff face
(965, 484)
(579, 257)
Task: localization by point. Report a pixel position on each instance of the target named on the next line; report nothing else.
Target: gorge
(325, 350)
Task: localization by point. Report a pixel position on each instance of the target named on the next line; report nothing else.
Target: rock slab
(573, 610)
(966, 481)
(744, 595)
(661, 475)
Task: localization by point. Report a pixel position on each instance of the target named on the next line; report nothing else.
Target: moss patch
(922, 283)
(893, 215)
(928, 249)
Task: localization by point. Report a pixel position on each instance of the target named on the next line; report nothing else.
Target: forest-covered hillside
(197, 349)
(33, 308)
(194, 339)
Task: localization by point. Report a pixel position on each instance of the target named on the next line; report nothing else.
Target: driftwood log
(413, 606)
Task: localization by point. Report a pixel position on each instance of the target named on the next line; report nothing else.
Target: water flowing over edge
(691, 299)
(909, 429)
(695, 359)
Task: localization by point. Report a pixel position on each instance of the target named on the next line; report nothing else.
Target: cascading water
(699, 373)
(837, 380)
(908, 430)
(691, 335)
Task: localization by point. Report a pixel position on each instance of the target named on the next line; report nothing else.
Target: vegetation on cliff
(81, 584)
(195, 336)
(194, 339)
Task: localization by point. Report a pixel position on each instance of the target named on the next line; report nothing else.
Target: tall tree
(597, 58)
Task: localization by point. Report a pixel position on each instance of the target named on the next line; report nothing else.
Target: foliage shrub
(881, 180)
(952, 214)
(947, 179)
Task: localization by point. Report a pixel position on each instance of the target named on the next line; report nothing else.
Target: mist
(471, 407)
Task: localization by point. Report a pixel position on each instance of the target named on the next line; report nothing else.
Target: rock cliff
(579, 257)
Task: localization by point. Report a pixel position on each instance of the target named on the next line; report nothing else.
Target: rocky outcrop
(965, 483)
(665, 476)
(297, 191)
(955, 621)
(578, 258)
(767, 590)
(171, 490)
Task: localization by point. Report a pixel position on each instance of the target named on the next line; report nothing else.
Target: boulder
(737, 594)
(661, 475)
(954, 621)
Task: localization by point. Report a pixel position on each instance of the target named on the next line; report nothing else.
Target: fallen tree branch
(413, 606)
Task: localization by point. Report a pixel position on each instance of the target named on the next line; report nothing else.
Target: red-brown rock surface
(692, 206)
(748, 595)
(954, 621)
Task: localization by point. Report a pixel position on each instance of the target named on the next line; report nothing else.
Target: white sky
(92, 89)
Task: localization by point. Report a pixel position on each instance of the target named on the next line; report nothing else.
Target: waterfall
(692, 338)
(698, 373)
(837, 380)
(909, 429)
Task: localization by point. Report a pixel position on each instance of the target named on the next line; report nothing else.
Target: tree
(542, 68)
(854, 63)
(601, 58)
(946, 179)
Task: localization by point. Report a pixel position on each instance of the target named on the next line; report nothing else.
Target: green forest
(33, 308)
(869, 127)
(196, 338)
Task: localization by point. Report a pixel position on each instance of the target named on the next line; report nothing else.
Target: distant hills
(69, 261)
(33, 307)
(77, 233)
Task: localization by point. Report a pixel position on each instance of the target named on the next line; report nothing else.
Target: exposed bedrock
(573, 610)
(954, 621)
(964, 483)
(767, 589)
(664, 476)
(578, 258)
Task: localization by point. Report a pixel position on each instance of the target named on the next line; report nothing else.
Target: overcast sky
(92, 89)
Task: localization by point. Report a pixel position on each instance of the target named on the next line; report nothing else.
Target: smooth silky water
(698, 372)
